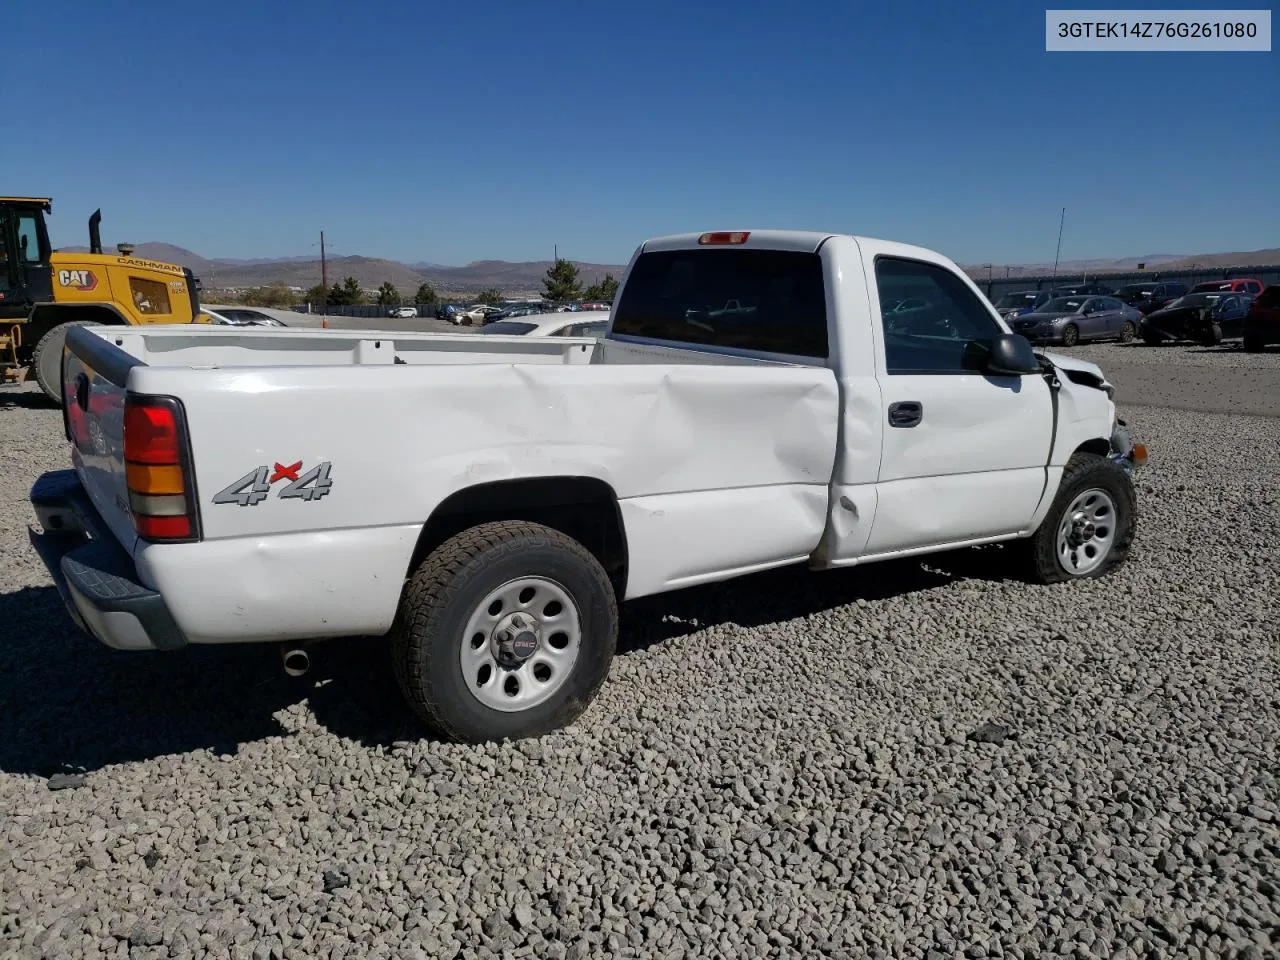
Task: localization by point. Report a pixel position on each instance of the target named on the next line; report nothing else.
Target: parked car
(449, 312)
(403, 313)
(519, 310)
(234, 316)
(281, 497)
(1262, 322)
(1238, 285)
(1146, 297)
(1024, 301)
(582, 324)
(476, 313)
(1082, 290)
(1070, 320)
(1206, 318)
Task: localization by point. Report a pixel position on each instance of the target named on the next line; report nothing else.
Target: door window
(946, 329)
(28, 240)
(5, 262)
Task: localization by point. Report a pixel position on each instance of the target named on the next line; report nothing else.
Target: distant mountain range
(223, 273)
(525, 278)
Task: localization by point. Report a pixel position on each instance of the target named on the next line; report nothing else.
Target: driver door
(963, 452)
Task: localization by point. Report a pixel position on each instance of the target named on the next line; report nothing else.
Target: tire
(1070, 335)
(1152, 339)
(1085, 476)
(437, 642)
(1253, 343)
(1212, 336)
(1127, 332)
(46, 358)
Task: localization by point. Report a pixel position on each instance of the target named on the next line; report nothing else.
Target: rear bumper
(95, 576)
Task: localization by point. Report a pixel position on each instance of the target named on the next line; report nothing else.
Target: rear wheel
(506, 630)
(1127, 332)
(46, 359)
(1211, 336)
(1070, 335)
(1253, 343)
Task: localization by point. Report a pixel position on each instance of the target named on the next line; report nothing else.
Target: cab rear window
(771, 301)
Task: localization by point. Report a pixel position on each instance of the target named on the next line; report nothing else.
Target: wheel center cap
(516, 640)
(524, 644)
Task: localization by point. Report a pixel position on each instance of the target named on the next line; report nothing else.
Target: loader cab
(26, 276)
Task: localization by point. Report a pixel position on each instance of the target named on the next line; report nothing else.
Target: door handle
(905, 413)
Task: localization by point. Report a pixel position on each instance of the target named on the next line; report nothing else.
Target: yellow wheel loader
(43, 292)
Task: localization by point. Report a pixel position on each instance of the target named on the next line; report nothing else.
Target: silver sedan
(1072, 320)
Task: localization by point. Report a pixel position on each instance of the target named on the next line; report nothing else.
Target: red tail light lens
(158, 470)
(150, 433)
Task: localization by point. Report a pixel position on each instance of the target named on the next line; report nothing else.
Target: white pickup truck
(488, 501)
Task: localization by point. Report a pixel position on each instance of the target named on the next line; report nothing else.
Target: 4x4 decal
(256, 485)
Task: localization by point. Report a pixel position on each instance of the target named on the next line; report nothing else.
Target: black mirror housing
(1012, 355)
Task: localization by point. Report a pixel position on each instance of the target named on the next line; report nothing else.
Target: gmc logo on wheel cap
(78, 279)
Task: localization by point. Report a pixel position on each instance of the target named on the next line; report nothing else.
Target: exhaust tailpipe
(95, 238)
(296, 662)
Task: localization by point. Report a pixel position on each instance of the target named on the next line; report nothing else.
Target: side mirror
(1011, 355)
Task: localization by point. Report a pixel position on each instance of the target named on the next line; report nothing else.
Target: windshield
(1063, 305)
(1017, 300)
(507, 327)
(1136, 290)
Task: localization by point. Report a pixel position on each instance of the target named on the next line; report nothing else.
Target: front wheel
(1253, 343)
(1070, 335)
(506, 630)
(1090, 527)
(1211, 336)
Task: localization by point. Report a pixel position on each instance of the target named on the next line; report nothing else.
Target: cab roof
(45, 202)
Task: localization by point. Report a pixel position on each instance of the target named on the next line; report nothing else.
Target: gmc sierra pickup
(761, 398)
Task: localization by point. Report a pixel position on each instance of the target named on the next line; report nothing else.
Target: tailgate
(94, 377)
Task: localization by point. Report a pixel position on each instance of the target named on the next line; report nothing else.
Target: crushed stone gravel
(924, 758)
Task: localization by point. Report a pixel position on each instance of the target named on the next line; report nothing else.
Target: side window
(28, 240)
(149, 296)
(772, 301)
(945, 330)
(4, 250)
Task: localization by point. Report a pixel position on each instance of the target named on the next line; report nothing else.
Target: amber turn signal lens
(144, 478)
(1139, 453)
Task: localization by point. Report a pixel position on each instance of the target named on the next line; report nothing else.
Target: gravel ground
(918, 759)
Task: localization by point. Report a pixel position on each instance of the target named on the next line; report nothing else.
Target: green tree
(351, 287)
(315, 295)
(492, 295)
(388, 295)
(605, 290)
(426, 294)
(347, 293)
(562, 281)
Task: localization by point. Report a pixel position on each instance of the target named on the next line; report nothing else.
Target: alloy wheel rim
(520, 644)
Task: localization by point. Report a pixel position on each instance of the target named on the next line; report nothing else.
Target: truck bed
(719, 464)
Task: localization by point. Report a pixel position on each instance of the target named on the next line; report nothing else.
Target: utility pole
(324, 277)
(1061, 221)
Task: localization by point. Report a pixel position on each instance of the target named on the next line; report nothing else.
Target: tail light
(730, 237)
(157, 463)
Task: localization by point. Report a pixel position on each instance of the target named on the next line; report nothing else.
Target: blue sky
(455, 132)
